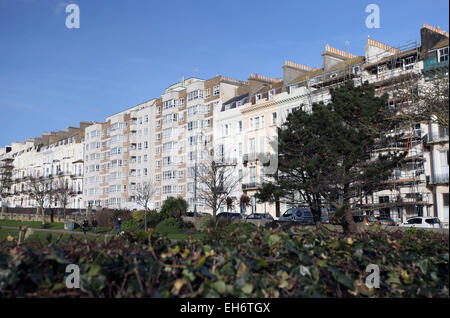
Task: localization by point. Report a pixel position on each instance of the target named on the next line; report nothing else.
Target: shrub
(241, 228)
(132, 225)
(168, 226)
(206, 222)
(107, 218)
(174, 207)
(138, 215)
(262, 264)
(153, 218)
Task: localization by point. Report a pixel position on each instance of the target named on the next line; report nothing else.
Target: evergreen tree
(326, 153)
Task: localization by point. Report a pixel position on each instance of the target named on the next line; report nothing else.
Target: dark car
(386, 221)
(366, 219)
(229, 215)
(301, 215)
(259, 216)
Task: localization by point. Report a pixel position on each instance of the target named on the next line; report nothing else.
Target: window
(195, 95)
(208, 92)
(415, 221)
(271, 93)
(240, 126)
(251, 147)
(252, 178)
(274, 118)
(258, 97)
(409, 62)
(216, 90)
(169, 104)
(443, 54)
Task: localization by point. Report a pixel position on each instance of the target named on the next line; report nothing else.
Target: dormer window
(333, 75)
(355, 69)
(271, 93)
(443, 54)
(258, 97)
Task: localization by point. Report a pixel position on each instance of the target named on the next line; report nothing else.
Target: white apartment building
(118, 157)
(184, 130)
(418, 187)
(54, 156)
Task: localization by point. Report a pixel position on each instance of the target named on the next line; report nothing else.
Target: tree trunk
(348, 224)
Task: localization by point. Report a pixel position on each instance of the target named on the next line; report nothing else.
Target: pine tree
(325, 154)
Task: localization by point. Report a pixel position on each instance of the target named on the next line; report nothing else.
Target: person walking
(118, 224)
(85, 226)
(94, 225)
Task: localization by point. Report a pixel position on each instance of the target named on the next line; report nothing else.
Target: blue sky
(127, 52)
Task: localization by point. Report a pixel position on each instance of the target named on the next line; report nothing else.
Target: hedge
(260, 263)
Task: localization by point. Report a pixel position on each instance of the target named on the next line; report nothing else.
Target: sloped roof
(441, 44)
(342, 65)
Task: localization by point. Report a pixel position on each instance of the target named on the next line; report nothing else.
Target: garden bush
(168, 226)
(138, 215)
(206, 222)
(174, 207)
(107, 218)
(263, 263)
(241, 228)
(132, 225)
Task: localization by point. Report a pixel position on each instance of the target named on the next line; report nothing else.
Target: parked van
(301, 215)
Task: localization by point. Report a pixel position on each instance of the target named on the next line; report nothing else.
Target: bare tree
(216, 180)
(424, 98)
(63, 192)
(40, 190)
(143, 194)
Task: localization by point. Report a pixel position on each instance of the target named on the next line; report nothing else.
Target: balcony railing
(250, 186)
(434, 137)
(439, 178)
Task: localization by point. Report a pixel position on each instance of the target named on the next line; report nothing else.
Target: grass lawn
(41, 236)
(32, 224)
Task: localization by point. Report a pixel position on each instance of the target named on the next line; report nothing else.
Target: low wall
(38, 218)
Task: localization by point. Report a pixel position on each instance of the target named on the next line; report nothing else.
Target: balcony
(438, 178)
(436, 137)
(250, 186)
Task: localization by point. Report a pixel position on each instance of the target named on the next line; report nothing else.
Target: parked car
(427, 222)
(386, 221)
(301, 215)
(366, 219)
(229, 215)
(259, 216)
